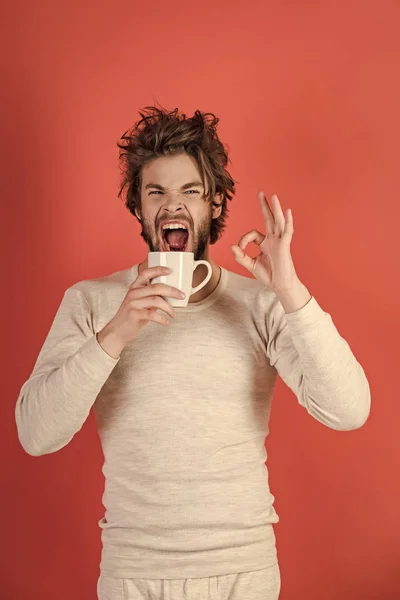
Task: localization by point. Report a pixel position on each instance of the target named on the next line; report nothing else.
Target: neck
(198, 276)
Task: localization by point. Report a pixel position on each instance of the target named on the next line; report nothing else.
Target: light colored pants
(252, 585)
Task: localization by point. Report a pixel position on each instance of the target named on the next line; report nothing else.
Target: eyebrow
(184, 187)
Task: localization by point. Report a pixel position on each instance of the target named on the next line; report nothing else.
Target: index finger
(147, 274)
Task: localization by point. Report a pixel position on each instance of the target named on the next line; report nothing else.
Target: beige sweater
(183, 416)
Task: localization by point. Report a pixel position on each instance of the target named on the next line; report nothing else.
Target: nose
(173, 204)
(173, 209)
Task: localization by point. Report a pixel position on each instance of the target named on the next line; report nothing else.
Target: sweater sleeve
(318, 365)
(68, 374)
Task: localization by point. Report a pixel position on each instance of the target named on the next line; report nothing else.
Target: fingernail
(183, 295)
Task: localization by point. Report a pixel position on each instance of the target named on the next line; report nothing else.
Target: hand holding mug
(138, 308)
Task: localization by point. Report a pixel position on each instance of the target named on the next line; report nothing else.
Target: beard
(200, 237)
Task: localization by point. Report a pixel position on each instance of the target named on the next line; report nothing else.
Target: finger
(153, 302)
(253, 236)
(243, 259)
(152, 315)
(147, 274)
(156, 289)
(278, 215)
(162, 289)
(289, 229)
(267, 213)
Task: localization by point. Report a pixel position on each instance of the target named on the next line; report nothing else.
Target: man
(182, 397)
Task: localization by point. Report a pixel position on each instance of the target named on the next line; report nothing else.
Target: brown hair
(159, 133)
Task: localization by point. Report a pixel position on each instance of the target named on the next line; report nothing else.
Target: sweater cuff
(94, 361)
(311, 314)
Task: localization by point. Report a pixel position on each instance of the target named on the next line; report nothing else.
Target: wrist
(110, 343)
(294, 298)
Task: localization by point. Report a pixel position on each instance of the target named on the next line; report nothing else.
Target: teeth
(174, 226)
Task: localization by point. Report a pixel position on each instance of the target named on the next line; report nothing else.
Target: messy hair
(164, 133)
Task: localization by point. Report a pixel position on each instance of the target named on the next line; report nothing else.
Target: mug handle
(207, 277)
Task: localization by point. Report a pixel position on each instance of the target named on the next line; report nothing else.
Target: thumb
(242, 258)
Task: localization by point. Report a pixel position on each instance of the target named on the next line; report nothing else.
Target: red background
(308, 94)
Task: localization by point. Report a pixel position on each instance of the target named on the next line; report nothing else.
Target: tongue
(177, 239)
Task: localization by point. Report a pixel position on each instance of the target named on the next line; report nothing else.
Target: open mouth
(175, 237)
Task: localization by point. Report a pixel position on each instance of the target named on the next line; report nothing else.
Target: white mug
(183, 265)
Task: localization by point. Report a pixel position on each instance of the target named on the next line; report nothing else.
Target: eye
(188, 192)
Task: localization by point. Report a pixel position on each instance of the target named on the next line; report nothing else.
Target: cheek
(203, 214)
(148, 225)
(149, 207)
(149, 216)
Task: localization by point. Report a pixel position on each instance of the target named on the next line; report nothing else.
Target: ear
(137, 213)
(216, 211)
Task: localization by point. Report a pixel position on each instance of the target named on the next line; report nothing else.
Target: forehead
(171, 171)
